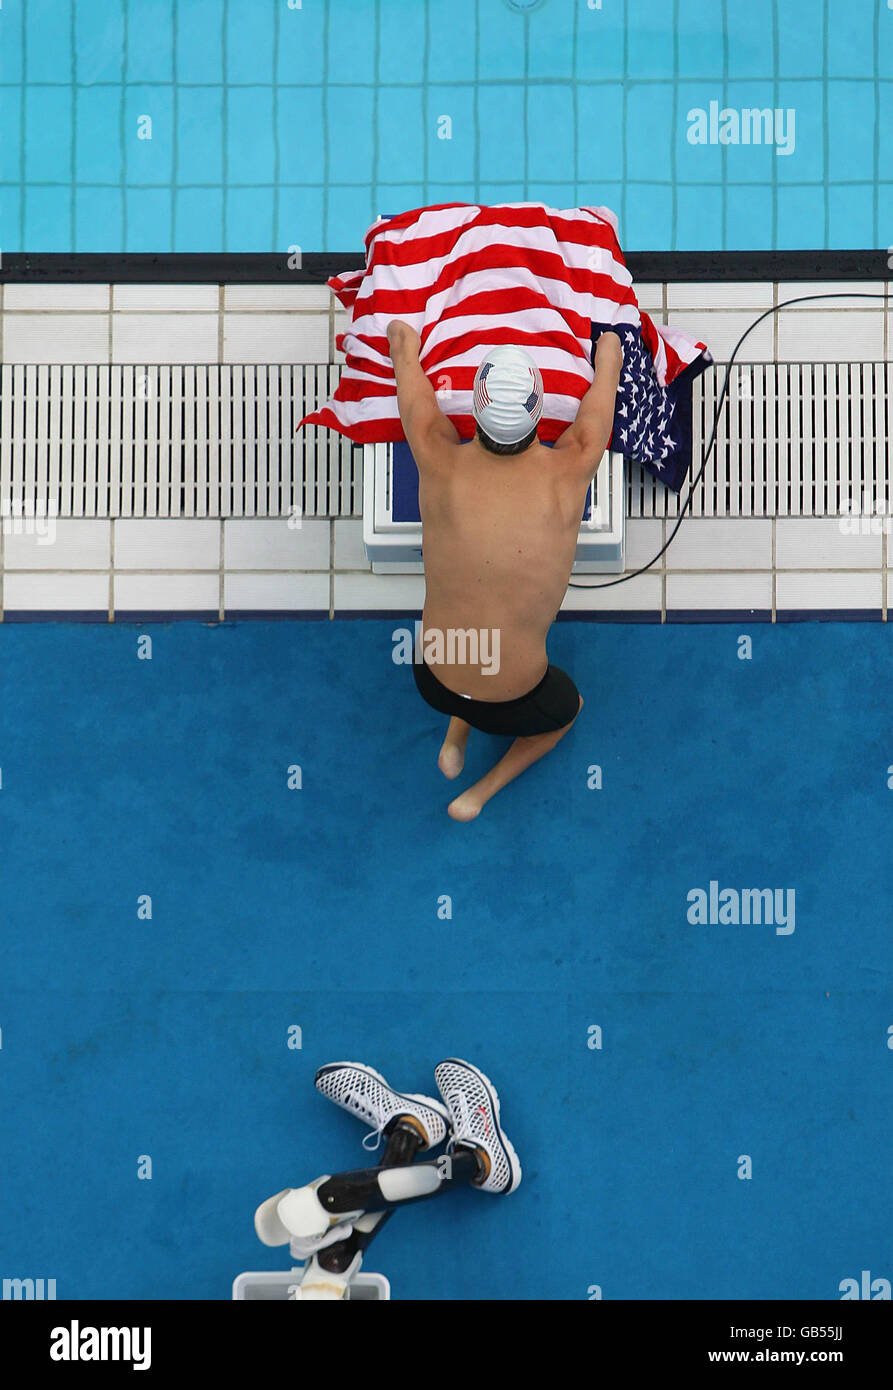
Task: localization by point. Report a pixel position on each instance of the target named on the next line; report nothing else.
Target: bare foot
(451, 758)
(523, 753)
(465, 807)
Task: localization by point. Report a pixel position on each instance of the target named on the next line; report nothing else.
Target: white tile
(716, 294)
(821, 543)
(650, 295)
(848, 335)
(162, 544)
(274, 545)
(888, 355)
(389, 592)
(721, 330)
(717, 591)
(55, 337)
(143, 298)
(644, 538)
(67, 545)
(144, 338)
(703, 543)
(298, 297)
(794, 289)
(276, 592)
(642, 594)
(796, 591)
(143, 593)
(55, 297)
(342, 323)
(276, 338)
(65, 592)
(349, 551)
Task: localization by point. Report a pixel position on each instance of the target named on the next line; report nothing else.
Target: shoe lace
(462, 1113)
(375, 1136)
(358, 1101)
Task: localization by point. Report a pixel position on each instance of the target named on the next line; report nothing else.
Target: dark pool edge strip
(831, 615)
(245, 268)
(210, 616)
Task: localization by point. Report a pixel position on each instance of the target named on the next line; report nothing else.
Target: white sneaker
(473, 1106)
(366, 1094)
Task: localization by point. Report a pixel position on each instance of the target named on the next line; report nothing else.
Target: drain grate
(795, 439)
(172, 441)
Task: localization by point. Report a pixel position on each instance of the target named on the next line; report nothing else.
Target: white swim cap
(508, 394)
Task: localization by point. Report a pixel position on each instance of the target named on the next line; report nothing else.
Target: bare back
(499, 535)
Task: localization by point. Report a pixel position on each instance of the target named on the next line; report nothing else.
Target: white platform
(275, 1286)
(395, 546)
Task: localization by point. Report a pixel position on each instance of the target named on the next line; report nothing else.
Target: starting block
(392, 525)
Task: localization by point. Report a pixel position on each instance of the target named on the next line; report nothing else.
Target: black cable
(801, 299)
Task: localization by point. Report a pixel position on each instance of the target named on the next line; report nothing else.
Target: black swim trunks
(550, 705)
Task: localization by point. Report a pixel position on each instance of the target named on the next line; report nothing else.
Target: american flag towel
(549, 280)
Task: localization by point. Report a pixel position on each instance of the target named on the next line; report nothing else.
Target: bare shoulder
(569, 456)
(581, 449)
(435, 447)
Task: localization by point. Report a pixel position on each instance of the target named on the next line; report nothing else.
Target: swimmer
(500, 519)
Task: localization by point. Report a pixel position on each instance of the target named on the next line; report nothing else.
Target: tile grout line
(885, 579)
(689, 571)
(221, 588)
(332, 569)
(44, 311)
(885, 576)
(111, 613)
(663, 577)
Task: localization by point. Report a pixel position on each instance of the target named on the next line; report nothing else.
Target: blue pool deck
(274, 127)
(125, 1036)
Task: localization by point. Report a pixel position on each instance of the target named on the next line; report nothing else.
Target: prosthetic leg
(318, 1221)
(331, 1221)
(337, 1264)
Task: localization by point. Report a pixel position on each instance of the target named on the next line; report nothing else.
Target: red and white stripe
(466, 277)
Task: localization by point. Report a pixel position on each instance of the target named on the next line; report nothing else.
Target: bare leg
(522, 754)
(451, 758)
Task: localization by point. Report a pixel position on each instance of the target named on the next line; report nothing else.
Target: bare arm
(424, 423)
(587, 438)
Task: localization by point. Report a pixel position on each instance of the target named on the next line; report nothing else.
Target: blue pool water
(124, 1036)
(277, 124)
